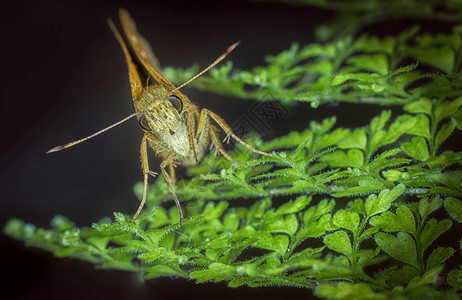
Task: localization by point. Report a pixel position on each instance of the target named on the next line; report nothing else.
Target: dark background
(64, 77)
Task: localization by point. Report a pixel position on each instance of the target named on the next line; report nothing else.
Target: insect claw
(153, 174)
(227, 138)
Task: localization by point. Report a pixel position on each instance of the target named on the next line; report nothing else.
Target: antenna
(59, 148)
(228, 50)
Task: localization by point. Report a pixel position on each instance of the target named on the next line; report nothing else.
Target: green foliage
(367, 69)
(263, 245)
(352, 213)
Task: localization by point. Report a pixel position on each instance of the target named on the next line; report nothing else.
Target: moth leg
(170, 180)
(187, 119)
(146, 173)
(204, 117)
(171, 170)
(216, 142)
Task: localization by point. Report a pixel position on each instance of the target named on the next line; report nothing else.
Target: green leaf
(259, 208)
(339, 241)
(99, 242)
(278, 243)
(438, 256)
(441, 57)
(428, 206)
(287, 224)
(400, 247)
(385, 160)
(163, 253)
(377, 204)
(293, 206)
(365, 256)
(231, 221)
(445, 109)
(212, 212)
(71, 237)
(357, 206)
(393, 175)
(346, 219)
(356, 139)
(445, 131)
(378, 123)
(416, 149)
(444, 160)
(161, 271)
(422, 105)
(375, 63)
(216, 272)
(432, 230)
(421, 127)
(400, 126)
(403, 220)
(458, 118)
(339, 158)
(346, 290)
(61, 223)
(454, 208)
(364, 187)
(454, 278)
(425, 279)
(314, 212)
(369, 232)
(399, 277)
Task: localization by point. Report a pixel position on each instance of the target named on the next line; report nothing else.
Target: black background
(64, 77)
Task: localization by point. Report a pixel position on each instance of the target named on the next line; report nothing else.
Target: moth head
(161, 112)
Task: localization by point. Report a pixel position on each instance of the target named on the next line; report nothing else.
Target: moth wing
(142, 50)
(136, 80)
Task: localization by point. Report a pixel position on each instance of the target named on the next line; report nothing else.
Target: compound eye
(144, 123)
(176, 102)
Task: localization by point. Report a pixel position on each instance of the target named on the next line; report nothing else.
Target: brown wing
(130, 30)
(136, 79)
(142, 50)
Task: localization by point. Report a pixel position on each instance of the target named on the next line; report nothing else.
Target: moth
(173, 126)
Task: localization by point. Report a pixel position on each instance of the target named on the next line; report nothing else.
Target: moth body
(172, 125)
(163, 116)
